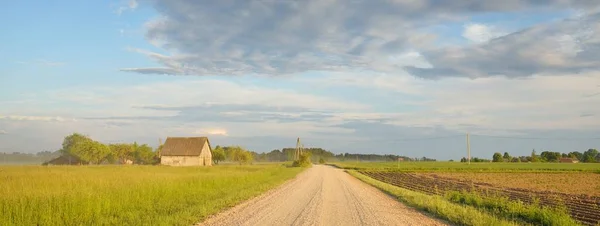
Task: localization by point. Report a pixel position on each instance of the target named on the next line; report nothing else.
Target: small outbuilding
(186, 151)
(569, 160)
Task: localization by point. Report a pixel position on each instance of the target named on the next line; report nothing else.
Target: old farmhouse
(186, 151)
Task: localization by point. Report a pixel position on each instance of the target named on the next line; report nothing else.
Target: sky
(358, 76)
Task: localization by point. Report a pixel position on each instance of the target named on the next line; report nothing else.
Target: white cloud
(35, 118)
(495, 103)
(560, 48)
(131, 5)
(212, 131)
(480, 33)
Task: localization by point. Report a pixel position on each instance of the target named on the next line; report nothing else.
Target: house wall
(206, 156)
(180, 160)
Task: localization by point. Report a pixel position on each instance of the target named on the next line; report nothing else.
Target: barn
(186, 151)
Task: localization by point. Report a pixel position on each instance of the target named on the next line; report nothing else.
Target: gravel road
(322, 195)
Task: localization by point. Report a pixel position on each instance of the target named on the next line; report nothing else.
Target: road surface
(322, 195)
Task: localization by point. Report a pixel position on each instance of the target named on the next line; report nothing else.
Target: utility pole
(159, 149)
(468, 150)
(298, 149)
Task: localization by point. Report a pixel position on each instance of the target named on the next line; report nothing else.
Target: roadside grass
(436, 205)
(129, 195)
(513, 210)
(473, 167)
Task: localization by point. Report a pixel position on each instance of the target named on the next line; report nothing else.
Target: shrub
(303, 161)
(321, 160)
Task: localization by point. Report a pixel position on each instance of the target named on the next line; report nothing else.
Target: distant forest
(287, 154)
(27, 158)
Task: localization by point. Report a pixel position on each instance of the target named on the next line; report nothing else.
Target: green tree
(241, 155)
(577, 155)
(590, 155)
(534, 157)
(143, 154)
(497, 157)
(122, 152)
(90, 151)
(506, 156)
(71, 140)
(548, 156)
(218, 154)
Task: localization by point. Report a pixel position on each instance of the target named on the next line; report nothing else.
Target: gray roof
(184, 146)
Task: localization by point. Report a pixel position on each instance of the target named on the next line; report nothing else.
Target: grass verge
(514, 210)
(129, 195)
(436, 205)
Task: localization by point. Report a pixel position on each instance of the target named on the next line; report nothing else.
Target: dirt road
(322, 195)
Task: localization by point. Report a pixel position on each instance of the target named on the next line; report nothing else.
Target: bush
(304, 160)
(321, 160)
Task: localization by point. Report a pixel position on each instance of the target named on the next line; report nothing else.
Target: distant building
(186, 151)
(65, 160)
(568, 160)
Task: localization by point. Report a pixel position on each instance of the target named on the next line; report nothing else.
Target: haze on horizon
(389, 76)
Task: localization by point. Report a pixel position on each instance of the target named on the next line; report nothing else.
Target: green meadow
(129, 195)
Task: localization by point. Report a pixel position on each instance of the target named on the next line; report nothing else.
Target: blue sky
(370, 77)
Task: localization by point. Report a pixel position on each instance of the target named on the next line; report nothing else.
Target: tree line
(589, 156)
(27, 158)
(85, 150)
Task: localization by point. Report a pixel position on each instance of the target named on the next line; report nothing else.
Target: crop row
(585, 209)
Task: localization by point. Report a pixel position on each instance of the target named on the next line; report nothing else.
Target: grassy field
(475, 167)
(128, 195)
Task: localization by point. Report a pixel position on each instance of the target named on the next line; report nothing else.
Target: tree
(218, 154)
(549, 156)
(71, 140)
(534, 157)
(240, 155)
(577, 155)
(89, 151)
(506, 156)
(121, 152)
(143, 154)
(497, 157)
(590, 155)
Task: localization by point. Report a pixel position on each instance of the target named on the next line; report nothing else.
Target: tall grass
(514, 210)
(128, 195)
